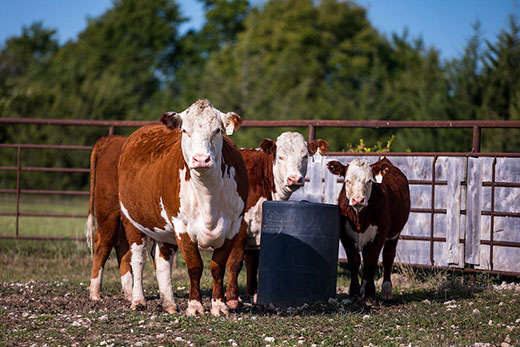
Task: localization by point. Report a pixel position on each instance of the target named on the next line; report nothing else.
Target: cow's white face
(358, 184)
(202, 125)
(290, 161)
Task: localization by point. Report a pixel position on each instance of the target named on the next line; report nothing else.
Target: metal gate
(465, 206)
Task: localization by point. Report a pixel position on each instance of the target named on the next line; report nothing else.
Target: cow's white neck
(207, 188)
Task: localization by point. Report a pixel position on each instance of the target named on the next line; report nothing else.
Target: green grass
(44, 299)
(44, 226)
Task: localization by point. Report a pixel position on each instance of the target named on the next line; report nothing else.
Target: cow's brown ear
(268, 146)
(336, 168)
(231, 121)
(320, 144)
(381, 167)
(380, 170)
(172, 120)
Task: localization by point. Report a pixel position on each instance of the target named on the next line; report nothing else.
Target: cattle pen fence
(465, 206)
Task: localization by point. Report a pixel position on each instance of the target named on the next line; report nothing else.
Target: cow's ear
(231, 121)
(315, 145)
(381, 167)
(172, 120)
(336, 168)
(378, 172)
(268, 146)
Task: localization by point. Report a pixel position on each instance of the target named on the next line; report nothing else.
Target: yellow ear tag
(229, 129)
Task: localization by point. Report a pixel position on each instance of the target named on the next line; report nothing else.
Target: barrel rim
(299, 202)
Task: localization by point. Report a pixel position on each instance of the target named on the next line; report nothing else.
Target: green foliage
(283, 59)
(378, 147)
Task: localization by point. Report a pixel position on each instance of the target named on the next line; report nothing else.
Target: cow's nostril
(207, 160)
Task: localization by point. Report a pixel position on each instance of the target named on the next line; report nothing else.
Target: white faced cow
(185, 187)
(275, 171)
(375, 204)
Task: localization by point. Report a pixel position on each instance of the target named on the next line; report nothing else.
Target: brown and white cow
(104, 208)
(185, 188)
(275, 171)
(375, 204)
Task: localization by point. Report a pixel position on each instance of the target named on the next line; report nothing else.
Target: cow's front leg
(252, 259)
(354, 261)
(234, 265)
(218, 267)
(164, 254)
(190, 252)
(370, 257)
(137, 242)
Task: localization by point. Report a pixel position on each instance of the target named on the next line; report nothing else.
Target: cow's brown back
(397, 191)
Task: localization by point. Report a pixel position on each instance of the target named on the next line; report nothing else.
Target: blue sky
(443, 24)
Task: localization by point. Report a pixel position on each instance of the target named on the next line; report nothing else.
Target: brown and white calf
(275, 171)
(104, 209)
(183, 188)
(375, 204)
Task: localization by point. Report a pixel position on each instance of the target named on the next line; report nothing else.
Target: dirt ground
(54, 313)
(60, 313)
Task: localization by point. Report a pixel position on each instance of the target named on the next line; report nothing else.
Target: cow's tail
(90, 226)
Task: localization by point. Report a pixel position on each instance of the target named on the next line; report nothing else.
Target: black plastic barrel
(298, 252)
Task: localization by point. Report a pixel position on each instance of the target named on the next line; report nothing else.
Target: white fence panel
(461, 196)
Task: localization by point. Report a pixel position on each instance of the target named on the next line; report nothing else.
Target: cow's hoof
(170, 308)
(95, 293)
(232, 304)
(386, 291)
(218, 307)
(138, 305)
(194, 307)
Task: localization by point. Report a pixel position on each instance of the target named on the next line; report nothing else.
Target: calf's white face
(201, 125)
(358, 184)
(290, 162)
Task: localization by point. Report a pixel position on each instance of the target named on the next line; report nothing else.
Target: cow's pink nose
(295, 180)
(200, 161)
(358, 200)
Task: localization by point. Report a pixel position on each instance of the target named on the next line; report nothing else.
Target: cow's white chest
(253, 219)
(209, 212)
(362, 239)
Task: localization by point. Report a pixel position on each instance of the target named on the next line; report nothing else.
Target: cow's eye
(280, 158)
(348, 182)
(218, 131)
(305, 156)
(185, 132)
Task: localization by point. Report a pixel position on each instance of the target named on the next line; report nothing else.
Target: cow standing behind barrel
(183, 188)
(375, 204)
(275, 171)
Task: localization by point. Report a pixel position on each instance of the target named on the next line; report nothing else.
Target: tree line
(283, 59)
